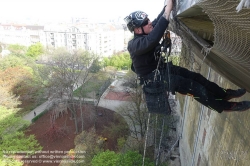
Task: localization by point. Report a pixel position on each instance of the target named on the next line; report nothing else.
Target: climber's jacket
(142, 47)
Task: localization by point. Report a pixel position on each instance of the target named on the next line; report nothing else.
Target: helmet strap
(143, 31)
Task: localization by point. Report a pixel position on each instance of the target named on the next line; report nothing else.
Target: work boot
(239, 106)
(234, 93)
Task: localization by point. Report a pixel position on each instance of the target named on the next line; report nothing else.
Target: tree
(107, 158)
(17, 79)
(135, 112)
(35, 50)
(64, 73)
(95, 66)
(90, 142)
(110, 158)
(11, 61)
(118, 130)
(12, 137)
(7, 99)
(17, 49)
(19, 84)
(120, 61)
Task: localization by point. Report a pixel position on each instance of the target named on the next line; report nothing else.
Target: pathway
(37, 110)
(105, 103)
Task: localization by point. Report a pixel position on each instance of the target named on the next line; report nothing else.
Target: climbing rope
(159, 146)
(146, 138)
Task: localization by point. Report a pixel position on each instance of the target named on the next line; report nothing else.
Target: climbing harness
(155, 84)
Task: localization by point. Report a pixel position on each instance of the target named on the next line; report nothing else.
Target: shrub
(110, 158)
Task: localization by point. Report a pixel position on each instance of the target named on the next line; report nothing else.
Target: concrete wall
(210, 138)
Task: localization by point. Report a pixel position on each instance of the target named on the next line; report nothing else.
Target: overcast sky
(64, 9)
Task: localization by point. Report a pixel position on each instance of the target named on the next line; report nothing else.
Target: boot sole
(235, 97)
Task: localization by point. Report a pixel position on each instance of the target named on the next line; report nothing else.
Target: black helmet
(135, 20)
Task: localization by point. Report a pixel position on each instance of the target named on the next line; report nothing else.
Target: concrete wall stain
(227, 138)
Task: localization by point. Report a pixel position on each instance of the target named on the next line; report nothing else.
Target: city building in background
(102, 39)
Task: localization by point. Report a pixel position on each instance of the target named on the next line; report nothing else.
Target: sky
(65, 9)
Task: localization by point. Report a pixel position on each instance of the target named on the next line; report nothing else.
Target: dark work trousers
(204, 91)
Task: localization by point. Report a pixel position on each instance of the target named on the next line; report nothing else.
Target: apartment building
(101, 39)
(21, 34)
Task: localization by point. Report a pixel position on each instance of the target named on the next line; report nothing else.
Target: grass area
(96, 85)
(87, 89)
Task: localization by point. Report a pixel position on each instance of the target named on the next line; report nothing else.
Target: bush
(12, 138)
(11, 61)
(117, 130)
(110, 158)
(120, 143)
(35, 50)
(107, 158)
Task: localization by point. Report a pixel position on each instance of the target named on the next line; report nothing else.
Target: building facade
(21, 34)
(101, 39)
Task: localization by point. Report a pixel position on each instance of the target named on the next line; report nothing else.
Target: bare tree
(63, 73)
(135, 112)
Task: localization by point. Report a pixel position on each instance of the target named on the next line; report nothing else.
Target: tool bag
(156, 97)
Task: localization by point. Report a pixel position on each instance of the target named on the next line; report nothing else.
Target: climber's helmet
(136, 19)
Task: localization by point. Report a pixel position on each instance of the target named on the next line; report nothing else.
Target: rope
(145, 143)
(155, 131)
(159, 146)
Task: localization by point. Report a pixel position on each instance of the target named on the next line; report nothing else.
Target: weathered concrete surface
(220, 139)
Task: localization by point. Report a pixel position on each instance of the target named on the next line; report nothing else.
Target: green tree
(121, 61)
(127, 61)
(110, 158)
(95, 66)
(35, 50)
(21, 82)
(107, 158)
(106, 61)
(12, 137)
(133, 158)
(17, 49)
(11, 61)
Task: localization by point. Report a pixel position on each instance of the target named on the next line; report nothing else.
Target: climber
(147, 36)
